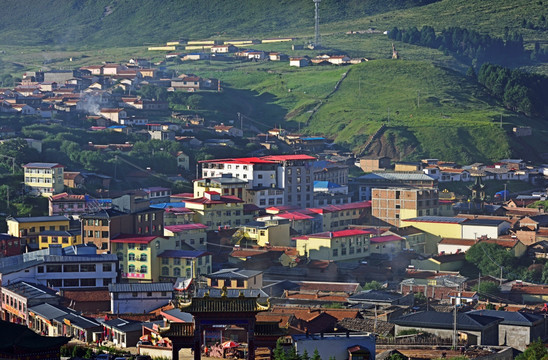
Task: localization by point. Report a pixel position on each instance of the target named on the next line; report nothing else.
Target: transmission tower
(317, 41)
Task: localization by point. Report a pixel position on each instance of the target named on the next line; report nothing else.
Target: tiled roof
(183, 254)
(438, 219)
(375, 296)
(234, 273)
(140, 287)
(38, 219)
(223, 304)
(43, 165)
(30, 291)
(130, 238)
(437, 320)
(307, 314)
(387, 238)
(94, 295)
(328, 286)
(530, 289)
(185, 227)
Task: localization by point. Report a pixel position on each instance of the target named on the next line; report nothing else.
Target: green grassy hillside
(431, 111)
(127, 22)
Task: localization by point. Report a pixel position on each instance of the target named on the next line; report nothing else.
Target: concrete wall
(489, 336)
(517, 337)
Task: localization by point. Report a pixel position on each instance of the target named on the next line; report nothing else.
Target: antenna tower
(317, 42)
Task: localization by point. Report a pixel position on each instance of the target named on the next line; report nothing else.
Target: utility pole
(418, 98)
(501, 121)
(388, 115)
(8, 197)
(455, 326)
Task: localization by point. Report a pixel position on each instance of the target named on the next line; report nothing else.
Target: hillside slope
(84, 23)
(429, 111)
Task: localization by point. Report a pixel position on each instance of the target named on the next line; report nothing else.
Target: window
(143, 257)
(71, 282)
(65, 240)
(40, 269)
(107, 267)
(71, 268)
(104, 245)
(177, 272)
(107, 282)
(97, 234)
(149, 294)
(165, 271)
(104, 234)
(240, 283)
(144, 269)
(52, 228)
(134, 294)
(87, 268)
(214, 282)
(55, 282)
(131, 246)
(131, 257)
(87, 282)
(165, 261)
(53, 268)
(120, 256)
(131, 268)
(42, 228)
(335, 252)
(176, 261)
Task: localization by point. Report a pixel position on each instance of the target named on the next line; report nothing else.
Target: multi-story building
(44, 179)
(393, 204)
(340, 245)
(19, 296)
(64, 238)
(338, 217)
(325, 170)
(127, 216)
(10, 245)
(267, 230)
(362, 186)
(28, 228)
(214, 210)
(193, 235)
(67, 204)
(226, 184)
(62, 268)
(183, 263)
(138, 256)
(272, 180)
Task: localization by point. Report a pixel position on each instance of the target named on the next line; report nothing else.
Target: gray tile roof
(511, 317)
(49, 311)
(152, 287)
(444, 320)
(375, 296)
(38, 218)
(397, 176)
(234, 273)
(30, 291)
(177, 313)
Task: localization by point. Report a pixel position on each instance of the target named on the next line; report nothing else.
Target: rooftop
(140, 287)
(43, 165)
(183, 254)
(438, 219)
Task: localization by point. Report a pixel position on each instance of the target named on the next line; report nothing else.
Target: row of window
(32, 230)
(38, 171)
(188, 262)
(96, 234)
(176, 272)
(14, 303)
(146, 217)
(58, 283)
(38, 180)
(57, 268)
(142, 270)
(132, 246)
(55, 239)
(351, 250)
(237, 222)
(95, 222)
(279, 201)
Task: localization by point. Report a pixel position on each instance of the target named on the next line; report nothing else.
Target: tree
(372, 285)
(292, 355)
(487, 288)
(535, 351)
(489, 258)
(471, 73)
(279, 351)
(316, 355)
(305, 355)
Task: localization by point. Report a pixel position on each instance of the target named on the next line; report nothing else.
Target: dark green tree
(535, 351)
(316, 355)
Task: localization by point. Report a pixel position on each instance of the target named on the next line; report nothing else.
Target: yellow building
(268, 230)
(182, 236)
(338, 217)
(189, 264)
(387, 244)
(352, 244)
(64, 238)
(44, 179)
(225, 184)
(29, 228)
(162, 48)
(235, 279)
(215, 211)
(441, 226)
(138, 256)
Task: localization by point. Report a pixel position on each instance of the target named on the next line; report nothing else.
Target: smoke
(90, 104)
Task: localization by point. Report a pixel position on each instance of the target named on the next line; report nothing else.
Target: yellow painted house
(63, 238)
(235, 279)
(267, 230)
(45, 179)
(225, 184)
(442, 226)
(188, 264)
(193, 235)
(29, 228)
(352, 244)
(138, 256)
(215, 211)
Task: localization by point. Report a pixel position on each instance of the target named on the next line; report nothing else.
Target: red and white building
(272, 180)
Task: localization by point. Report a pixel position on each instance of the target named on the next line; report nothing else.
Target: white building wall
(127, 303)
(475, 231)
(452, 249)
